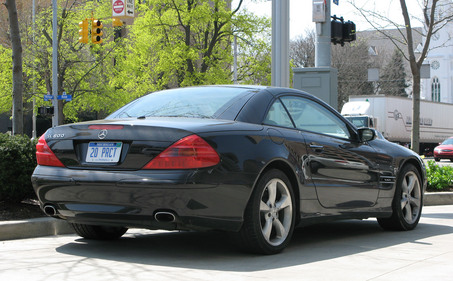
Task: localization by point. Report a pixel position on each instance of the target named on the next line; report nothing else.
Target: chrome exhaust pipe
(50, 210)
(164, 217)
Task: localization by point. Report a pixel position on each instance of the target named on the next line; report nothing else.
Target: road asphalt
(50, 226)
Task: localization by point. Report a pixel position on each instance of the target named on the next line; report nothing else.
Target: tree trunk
(18, 117)
(415, 132)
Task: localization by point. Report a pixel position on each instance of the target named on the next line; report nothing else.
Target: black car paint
(215, 197)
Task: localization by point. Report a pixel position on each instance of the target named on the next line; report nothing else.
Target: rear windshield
(199, 102)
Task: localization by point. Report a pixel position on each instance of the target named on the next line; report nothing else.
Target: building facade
(439, 87)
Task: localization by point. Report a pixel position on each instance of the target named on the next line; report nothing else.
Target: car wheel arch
(417, 165)
(286, 168)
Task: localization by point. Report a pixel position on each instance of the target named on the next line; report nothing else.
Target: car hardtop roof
(274, 90)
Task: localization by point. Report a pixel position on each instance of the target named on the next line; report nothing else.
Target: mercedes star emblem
(102, 134)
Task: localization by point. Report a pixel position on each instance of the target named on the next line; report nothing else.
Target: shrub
(439, 178)
(17, 162)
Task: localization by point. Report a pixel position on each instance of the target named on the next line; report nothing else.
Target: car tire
(407, 201)
(270, 215)
(98, 232)
(436, 159)
(451, 160)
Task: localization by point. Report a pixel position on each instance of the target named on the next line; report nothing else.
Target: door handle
(317, 148)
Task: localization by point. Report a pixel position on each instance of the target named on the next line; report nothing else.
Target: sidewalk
(49, 226)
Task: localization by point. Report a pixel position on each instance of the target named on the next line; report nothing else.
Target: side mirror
(366, 134)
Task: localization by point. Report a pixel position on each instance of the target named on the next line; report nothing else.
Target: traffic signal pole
(321, 80)
(323, 36)
(280, 43)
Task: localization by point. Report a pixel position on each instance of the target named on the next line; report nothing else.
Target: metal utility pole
(280, 43)
(55, 63)
(323, 34)
(321, 80)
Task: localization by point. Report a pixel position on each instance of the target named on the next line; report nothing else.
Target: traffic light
(96, 31)
(116, 22)
(46, 110)
(336, 31)
(349, 31)
(342, 31)
(83, 31)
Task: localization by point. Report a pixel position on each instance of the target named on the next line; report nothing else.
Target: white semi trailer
(392, 116)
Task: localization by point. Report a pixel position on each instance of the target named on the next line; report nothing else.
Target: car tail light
(45, 156)
(191, 152)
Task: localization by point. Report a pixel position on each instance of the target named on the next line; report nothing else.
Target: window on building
(435, 89)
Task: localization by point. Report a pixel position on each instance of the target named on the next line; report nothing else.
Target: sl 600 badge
(56, 136)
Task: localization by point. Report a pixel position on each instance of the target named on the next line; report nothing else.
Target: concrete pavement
(50, 226)
(344, 250)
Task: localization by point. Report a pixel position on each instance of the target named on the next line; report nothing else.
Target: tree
(17, 91)
(352, 61)
(172, 43)
(254, 58)
(178, 43)
(433, 22)
(392, 80)
(302, 50)
(84, 70)
(6, 83)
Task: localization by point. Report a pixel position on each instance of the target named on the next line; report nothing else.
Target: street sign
(65, 97)
(123, 8)
(48, 97)
(130, 8)
(118, 8)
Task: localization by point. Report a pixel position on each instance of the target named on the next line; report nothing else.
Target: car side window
(311, 116)
(277, 116)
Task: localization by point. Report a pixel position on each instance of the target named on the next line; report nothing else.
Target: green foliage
(6, 83)
(17, 162)
(84, 69)
(171, 43)
(183, 43)
(439, 178)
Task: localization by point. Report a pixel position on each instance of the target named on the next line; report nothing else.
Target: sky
(301, 12)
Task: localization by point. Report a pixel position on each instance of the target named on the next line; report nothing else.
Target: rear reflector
(105, 127)
(45, 156)
(191, 152)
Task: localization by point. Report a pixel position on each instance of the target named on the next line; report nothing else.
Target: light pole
(280, 43)
(323, 34)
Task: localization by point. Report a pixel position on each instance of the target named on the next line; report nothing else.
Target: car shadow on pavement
(215, 250)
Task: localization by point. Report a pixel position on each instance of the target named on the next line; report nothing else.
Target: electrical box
(318, 81)
(319, 11)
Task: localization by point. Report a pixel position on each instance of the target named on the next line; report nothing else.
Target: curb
(50, 226)
(33, 228)
(438, 198)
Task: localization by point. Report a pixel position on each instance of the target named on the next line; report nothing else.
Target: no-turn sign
(123, 8)
(118, 6)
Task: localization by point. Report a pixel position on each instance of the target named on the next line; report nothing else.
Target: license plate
(104, 152)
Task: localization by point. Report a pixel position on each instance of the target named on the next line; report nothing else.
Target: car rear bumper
(198, 200)
(443, 155)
